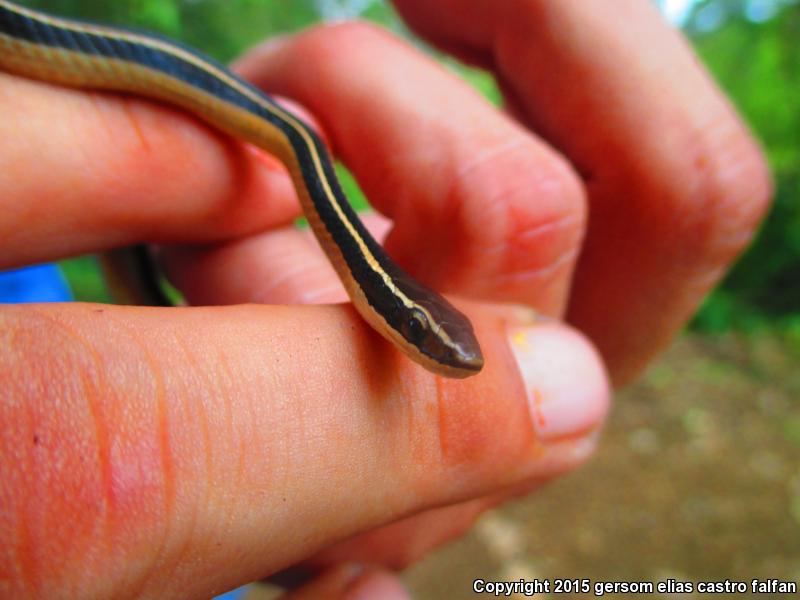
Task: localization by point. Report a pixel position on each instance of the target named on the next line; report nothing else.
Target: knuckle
(522, 179)
(524, 210)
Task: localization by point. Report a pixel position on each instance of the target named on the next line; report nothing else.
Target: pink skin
(183, 452)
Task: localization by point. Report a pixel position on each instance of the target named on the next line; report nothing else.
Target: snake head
(435, 333)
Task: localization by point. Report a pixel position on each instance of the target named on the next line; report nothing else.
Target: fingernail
(376, 585)
(567, 387)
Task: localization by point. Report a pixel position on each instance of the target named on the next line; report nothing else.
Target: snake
(420, 322)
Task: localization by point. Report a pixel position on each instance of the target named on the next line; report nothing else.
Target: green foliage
(85, 279)
(157, 15)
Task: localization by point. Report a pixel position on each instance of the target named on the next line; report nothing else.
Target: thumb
(180, 452)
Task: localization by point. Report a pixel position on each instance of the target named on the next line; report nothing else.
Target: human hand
(129, 461)
(147, 452)
(180, 452)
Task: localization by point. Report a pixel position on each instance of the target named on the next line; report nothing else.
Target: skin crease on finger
(676, 183)
(144, 447)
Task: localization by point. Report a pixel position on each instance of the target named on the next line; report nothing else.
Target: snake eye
(416, 325)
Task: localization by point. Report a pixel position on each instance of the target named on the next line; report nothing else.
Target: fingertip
(566, 384)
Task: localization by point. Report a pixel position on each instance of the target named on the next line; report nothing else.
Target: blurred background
(698, 475)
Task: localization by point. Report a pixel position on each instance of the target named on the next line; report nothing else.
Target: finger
(676, 183)
(86, 171)
(180, 436)
(480, 207)
(282, 266)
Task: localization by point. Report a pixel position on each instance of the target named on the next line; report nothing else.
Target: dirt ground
(697, 479)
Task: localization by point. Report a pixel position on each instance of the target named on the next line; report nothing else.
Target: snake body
(422, 323)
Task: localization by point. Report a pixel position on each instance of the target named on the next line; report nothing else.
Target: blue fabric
(237, 594)
(40, 283)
